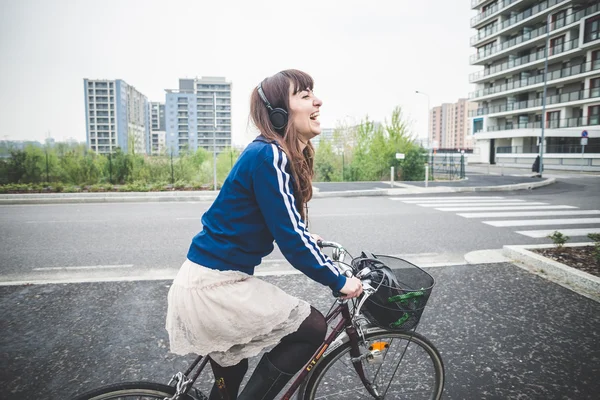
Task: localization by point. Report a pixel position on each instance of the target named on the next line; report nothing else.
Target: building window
(558, 20)
(596, 59)
(594, 115)
(592, 29)
(557, 45)
(595, 87)
(553, 119)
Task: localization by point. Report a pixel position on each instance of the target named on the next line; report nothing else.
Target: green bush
(596, 238)
(559, 239)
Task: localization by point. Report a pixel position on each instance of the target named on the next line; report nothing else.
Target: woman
(215, 306)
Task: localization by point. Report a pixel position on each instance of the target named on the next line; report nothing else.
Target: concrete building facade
(191, 115)
(157, 128)
(511, 48)
(117, 115)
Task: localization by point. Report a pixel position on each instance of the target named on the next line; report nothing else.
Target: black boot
(266, 381)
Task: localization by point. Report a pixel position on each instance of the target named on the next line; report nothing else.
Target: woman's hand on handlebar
(352, 288)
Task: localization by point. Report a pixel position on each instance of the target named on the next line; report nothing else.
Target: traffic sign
(584, 134)
(399, 156)
(584, 141)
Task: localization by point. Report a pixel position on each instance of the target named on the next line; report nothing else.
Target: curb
(137, 197)
(578, 281)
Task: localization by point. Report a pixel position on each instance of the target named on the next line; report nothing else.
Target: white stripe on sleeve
(291, 211)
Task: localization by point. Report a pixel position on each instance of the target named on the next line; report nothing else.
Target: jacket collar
(261, 138)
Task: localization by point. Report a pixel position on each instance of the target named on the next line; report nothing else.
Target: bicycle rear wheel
(411, 372)
(131, 391)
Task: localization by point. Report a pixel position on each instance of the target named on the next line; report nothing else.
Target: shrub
(559, 239)
(596, 238)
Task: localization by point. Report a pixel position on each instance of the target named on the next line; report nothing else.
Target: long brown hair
(276, 89)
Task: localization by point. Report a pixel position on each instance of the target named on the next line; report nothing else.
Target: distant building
(449, 127)
(326, 134)
(117, 115)
(157, 128)
(190, 115)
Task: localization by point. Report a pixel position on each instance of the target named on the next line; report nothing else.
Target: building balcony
(478, 3)
(570, 19)
(500, 6)
(550, 124)
(528, 14)
(528, 83)
(527, 37)
(537, 103)
(551, 149)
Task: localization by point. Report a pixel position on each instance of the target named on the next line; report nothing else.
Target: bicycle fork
(355, 354)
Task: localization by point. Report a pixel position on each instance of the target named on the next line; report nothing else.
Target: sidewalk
(474, 182)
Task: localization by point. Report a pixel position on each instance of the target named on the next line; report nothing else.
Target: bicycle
(362, 335)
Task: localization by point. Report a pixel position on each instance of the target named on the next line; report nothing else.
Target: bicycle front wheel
(399, 365)
(132, 391)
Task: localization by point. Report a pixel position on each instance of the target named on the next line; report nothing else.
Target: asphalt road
(134, 239)
(502, 332)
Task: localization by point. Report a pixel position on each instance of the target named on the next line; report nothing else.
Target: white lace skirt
(228, 315)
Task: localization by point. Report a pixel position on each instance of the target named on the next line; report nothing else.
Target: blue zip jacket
(256, 206)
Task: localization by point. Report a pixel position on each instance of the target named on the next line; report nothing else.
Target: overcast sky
(366, 57)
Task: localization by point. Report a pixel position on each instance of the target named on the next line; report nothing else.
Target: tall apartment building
(449, 125)
(157, 128)
(116, 115)
(190, 115)
(510, 47)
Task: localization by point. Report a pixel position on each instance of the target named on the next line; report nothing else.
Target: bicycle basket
(403, 290)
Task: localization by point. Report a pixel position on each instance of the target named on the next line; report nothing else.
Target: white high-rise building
(117, 115)
(510, 45)
(190, 115)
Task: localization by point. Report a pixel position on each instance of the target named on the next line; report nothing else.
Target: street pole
(215, 140)
(541, 166)
(342, 164)
(428, 143)
(47, 168)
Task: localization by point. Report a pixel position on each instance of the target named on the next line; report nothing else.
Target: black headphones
(277, 116)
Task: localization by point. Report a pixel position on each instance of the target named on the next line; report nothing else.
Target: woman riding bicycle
(216, 307)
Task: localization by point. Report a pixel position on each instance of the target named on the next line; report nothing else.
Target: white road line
(508, 203)
(79, 221)
(567, 232)
(507, 208)
(90, 267)
(460, 201)
(528, 214)
(445, 197)
(533, 222)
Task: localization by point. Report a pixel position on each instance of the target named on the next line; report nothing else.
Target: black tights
(292, 352)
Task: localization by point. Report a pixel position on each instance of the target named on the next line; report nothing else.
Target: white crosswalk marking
(444, 198)
(508, 203)
(492, 200)
(567, 232)
(500, 207)
(512, 214)
(533, 222)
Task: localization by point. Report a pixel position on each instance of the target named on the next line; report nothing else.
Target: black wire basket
(403, 290)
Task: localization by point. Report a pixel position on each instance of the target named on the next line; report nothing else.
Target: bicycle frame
(344, 324)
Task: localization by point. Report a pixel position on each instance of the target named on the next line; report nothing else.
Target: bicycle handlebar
(338, 255)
